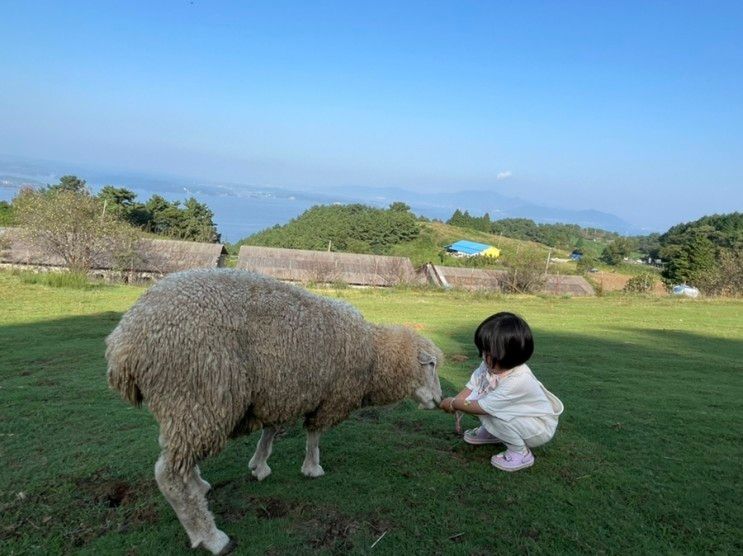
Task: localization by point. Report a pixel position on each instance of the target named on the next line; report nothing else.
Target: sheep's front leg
(258, 463)
(311, 466)
(188, 500)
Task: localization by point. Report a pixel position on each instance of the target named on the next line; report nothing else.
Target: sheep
(219, 353)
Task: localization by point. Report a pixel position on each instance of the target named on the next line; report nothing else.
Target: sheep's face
(428, 388)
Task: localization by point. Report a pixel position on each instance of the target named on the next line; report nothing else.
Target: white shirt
(515, 393)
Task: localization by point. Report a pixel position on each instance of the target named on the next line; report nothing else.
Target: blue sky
(630, 108)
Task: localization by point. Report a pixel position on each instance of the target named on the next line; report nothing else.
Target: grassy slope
(436, 235)
(646, 459)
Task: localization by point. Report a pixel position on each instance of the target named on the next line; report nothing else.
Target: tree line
(706, 253)
(562, 236)
(190, 220)
(67, 221)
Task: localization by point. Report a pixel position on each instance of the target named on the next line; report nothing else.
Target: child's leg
(506, 431)
(546, 427)
(520, 433)
(480, 435)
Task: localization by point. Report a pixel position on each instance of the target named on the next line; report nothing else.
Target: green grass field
(646, 459)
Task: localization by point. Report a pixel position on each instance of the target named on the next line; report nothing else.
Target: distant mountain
(244, 209)
(442, 205)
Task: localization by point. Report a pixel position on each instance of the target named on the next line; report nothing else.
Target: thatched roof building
(492, 280)
(15, 249)
(148, 256)
(463, 277)
(577, 286)
(163, 256)
(299, 265)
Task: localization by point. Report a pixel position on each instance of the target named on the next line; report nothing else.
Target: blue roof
(468, 247)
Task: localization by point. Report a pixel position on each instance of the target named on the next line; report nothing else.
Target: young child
(513, 406)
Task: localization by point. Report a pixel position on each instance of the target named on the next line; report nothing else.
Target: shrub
(73, 226)
(585, 264)
(726, 278)
(526, 273)
(641, 283)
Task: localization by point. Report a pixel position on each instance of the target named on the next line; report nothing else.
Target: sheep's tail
(120, 371)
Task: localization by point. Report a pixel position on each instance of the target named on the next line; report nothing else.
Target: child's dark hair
(506, 338)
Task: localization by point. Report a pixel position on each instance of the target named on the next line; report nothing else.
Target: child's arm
(461, 396)
(452, 405)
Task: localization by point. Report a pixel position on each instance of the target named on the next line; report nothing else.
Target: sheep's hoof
(229, 548)
(261, 472)
(312, 471)
(217, 543)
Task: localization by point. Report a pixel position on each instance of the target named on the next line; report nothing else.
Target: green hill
(394, 231)
(351, 228)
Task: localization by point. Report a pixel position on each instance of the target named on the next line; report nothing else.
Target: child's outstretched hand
(445, 405)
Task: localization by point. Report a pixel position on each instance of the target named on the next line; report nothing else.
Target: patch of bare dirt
(263, 508)
(325, 529)
(120, 500)
(331, 530)
(273, 508)
(110, 492)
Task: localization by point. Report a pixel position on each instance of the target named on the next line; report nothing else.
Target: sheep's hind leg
(189, 503)
(259, 462)
(311, 466)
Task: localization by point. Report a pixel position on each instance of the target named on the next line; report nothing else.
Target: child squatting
(514, 408)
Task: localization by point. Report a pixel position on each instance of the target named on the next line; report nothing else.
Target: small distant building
(576, 255)
(464, 248)
(654, 262)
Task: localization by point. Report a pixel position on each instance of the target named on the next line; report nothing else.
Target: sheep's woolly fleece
(216, 353)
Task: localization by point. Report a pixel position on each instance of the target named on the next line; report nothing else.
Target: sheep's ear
(426, 358)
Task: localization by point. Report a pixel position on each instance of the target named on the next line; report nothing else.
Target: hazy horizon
(243, 209)
(632, 109)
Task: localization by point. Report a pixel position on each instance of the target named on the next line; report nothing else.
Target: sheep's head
(427, 386)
